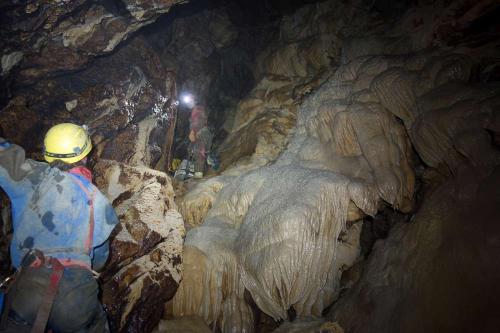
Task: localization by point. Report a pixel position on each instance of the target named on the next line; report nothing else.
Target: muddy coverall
(51, 212)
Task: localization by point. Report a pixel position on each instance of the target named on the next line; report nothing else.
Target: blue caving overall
(65, 217)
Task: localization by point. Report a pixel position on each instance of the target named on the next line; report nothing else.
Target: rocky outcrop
(145, 264)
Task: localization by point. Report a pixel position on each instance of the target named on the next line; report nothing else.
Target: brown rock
(145, 265)
(435, 274)
(64, 36)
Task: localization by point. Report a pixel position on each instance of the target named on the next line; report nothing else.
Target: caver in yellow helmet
(66, 142)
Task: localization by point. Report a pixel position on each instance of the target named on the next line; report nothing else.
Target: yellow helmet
(66, 142)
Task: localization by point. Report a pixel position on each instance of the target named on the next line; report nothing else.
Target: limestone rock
(270, 218)
(65, 35)
(145, 264)
(288, 69)
(352, 143)
(324, 131)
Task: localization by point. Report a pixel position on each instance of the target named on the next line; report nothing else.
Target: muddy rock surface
(145, 264)
(427, 275)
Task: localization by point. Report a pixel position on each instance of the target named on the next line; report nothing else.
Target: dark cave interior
(358, 145)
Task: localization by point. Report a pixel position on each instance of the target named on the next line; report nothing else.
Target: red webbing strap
(90, 237)
(42, 317)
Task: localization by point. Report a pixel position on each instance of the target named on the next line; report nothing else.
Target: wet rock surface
(45, 38)
(145, 264)
(129, 110)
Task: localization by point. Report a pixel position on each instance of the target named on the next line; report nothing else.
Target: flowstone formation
(275, 232)
(287, 70)
(349, 110)
(280, 235)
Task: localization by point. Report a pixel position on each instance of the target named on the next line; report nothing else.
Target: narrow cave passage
(258, 166)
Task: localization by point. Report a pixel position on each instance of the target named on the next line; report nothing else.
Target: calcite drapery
(355, 132)
(267, 229)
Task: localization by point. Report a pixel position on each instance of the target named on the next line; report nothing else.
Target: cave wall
(64, 73)
(126, 94)
(434, 274)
